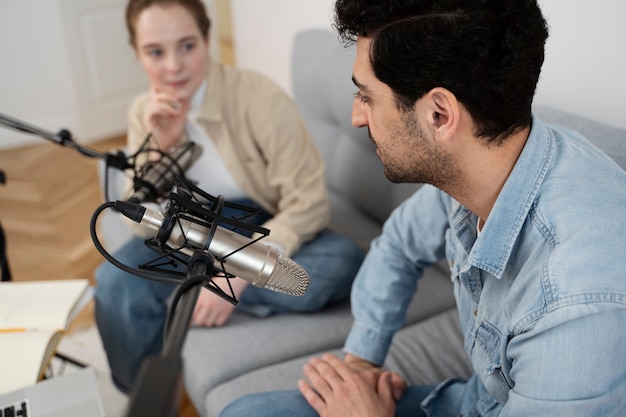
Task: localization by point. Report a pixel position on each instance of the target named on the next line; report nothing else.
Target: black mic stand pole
(159, 383)
(5, 272)
(64, 138)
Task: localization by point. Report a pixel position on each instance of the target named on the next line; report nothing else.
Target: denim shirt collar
(492, 250)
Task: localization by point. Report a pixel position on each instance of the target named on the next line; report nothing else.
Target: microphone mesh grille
(288, 277)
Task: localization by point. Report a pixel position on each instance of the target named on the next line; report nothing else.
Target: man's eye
(360, 97)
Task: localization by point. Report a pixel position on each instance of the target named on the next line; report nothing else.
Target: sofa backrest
(611, 139)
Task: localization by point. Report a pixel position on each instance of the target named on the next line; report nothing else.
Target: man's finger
(317, 380)
(311, 396)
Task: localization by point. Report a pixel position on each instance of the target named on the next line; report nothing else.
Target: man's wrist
(357, 362)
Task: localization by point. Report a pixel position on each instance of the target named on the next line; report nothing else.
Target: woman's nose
(174, 63)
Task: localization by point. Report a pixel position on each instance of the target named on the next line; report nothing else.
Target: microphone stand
(64, 138)
(158, 387)
(5, 272)
(159, 382)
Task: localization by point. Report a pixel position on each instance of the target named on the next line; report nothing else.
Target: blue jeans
(291, 403)
(130, 311)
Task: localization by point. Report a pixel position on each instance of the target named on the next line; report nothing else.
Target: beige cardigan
(264, 143)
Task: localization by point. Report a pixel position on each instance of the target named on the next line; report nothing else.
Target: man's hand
(213, 311)
(337, 390)
(372, 373)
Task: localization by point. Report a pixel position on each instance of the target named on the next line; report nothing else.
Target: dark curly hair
(488, 53)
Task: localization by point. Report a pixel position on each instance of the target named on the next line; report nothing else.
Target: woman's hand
(335, 389)
(213, 311)
(165, 117)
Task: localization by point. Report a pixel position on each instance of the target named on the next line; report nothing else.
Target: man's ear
(443, 112)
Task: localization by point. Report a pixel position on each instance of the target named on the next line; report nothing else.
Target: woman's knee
(330, 256)
(108, 282)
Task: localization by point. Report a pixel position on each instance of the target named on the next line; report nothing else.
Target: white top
(209, 171)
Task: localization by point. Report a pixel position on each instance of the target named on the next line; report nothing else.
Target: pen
(16, 330)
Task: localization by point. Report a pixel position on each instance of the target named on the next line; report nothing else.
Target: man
(530, 217)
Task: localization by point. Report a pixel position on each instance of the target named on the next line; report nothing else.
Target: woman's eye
(155, 53)
(188, 46)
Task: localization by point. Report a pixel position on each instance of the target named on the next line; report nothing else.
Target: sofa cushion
(422, 353)
(213, 356)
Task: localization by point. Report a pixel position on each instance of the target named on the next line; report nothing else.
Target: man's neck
(484, 170)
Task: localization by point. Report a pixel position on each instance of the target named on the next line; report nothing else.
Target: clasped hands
(350, 388)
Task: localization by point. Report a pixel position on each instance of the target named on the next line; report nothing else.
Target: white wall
(34, 78)
(585, 67)
(263, 32)
(66, 64)
(60, 70)
(584, 72)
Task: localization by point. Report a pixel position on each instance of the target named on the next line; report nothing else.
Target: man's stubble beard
(424, 162)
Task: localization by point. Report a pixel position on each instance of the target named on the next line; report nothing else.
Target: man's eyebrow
(360, 86)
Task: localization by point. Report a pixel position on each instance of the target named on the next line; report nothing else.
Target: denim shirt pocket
(487, 361)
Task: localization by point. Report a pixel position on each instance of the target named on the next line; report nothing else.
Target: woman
(256, 151)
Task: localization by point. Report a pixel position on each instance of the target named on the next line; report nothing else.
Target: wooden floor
(47, 202)
(46, 205)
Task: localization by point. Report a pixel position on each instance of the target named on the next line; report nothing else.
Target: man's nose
(359, 117)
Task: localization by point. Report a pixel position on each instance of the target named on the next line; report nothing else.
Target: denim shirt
(541, 292)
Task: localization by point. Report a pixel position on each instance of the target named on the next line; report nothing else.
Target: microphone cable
(183, 204)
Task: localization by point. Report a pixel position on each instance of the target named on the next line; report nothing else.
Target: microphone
(260, 264)
(160, 175)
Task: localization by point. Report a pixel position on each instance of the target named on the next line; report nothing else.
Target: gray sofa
(251, 355)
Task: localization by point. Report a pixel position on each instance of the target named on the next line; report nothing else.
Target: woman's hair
(195, 7)
(488, 53)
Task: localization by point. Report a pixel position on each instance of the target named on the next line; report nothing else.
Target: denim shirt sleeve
(412, 239)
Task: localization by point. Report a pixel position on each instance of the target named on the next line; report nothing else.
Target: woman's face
(171, 49)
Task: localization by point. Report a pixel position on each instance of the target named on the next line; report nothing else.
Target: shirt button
(476, 312)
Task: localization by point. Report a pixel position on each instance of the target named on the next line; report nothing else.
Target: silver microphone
(160, 174)
(260, 264)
